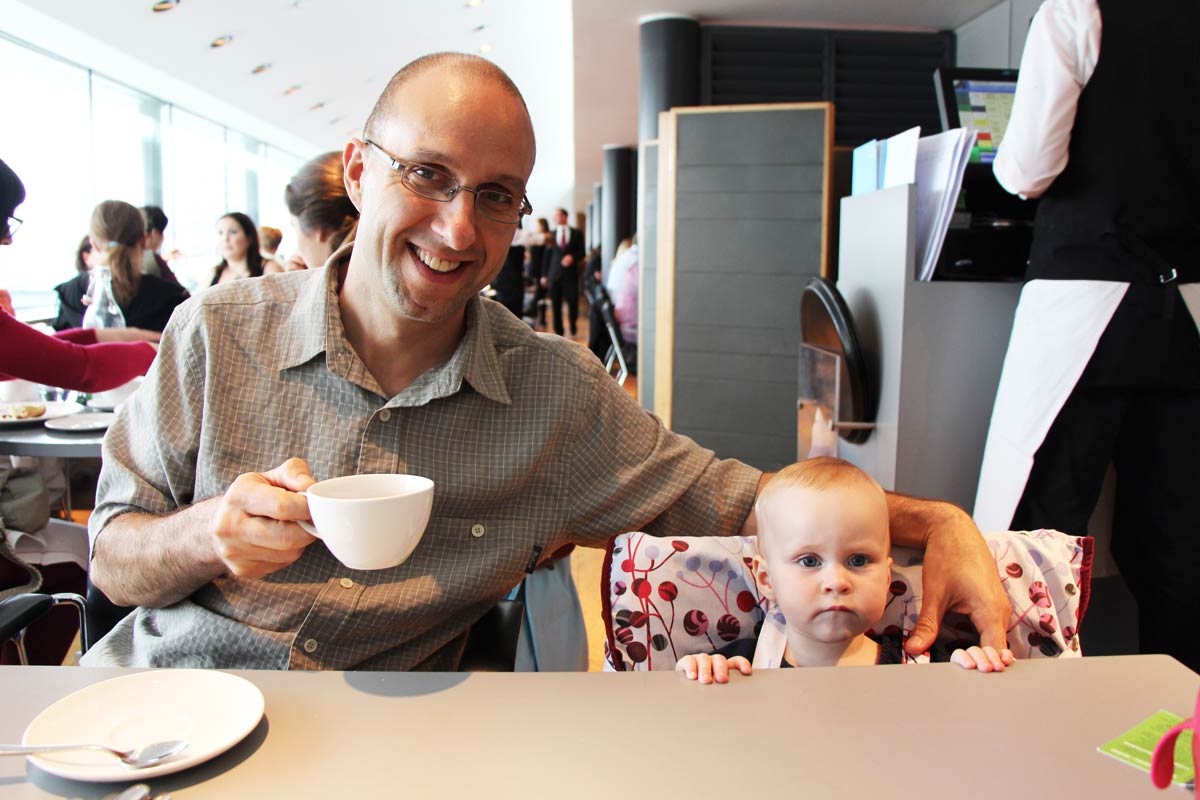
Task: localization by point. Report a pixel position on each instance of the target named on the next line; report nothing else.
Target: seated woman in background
(82, 360)
(322, 214)
(241, 254)
(70, 312)
(118, 241)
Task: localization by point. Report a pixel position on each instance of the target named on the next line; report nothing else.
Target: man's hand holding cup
(255, 531)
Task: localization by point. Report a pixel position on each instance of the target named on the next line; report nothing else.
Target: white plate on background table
(55, 409)
(213, 710)
(88, 421)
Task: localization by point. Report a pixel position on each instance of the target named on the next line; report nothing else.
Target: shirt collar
(315, 327)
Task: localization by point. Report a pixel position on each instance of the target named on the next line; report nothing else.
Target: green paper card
(1136, 746)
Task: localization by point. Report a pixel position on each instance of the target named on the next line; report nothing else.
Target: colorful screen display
(984, 106)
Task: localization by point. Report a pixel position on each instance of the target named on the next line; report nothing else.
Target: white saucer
(88, 421)
(54, 410)
(213, 710)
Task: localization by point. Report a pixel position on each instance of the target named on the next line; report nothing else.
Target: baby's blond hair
(812, 473)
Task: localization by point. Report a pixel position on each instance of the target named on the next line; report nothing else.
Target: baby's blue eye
(859, 560)
(808, 561)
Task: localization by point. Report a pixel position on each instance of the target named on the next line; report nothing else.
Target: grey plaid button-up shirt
(526, 437)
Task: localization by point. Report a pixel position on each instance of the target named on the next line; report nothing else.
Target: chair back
(666, 597)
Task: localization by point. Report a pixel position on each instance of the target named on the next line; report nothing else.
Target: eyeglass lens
(437, 185)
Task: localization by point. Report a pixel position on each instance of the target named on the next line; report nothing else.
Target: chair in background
(620, 353)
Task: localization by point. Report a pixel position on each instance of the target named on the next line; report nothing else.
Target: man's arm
(959, 572)
(150, 560)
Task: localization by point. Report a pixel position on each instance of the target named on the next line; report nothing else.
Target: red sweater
(70, 359)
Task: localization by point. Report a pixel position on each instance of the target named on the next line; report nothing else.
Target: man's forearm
(912, 519)
(150, 560)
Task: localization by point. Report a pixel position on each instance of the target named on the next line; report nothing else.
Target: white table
(37, 440)
(895, 732)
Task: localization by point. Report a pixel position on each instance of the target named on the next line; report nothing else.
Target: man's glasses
(10, 227)
(437, 184)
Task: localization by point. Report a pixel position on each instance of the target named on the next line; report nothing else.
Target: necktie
(562, 238)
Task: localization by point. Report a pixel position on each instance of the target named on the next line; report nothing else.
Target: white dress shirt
(1060, 56)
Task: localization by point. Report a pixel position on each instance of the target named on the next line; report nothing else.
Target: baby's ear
(889, 563)
(763, 578)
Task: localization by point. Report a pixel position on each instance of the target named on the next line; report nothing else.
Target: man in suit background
(566, 254)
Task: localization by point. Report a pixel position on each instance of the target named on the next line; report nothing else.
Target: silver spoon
(137, 757)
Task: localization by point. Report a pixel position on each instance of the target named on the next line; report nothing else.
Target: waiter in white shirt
(1104, 360)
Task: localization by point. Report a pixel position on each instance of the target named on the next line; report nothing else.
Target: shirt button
(477, 530)
(385, 415)
(310, 646)
(346, 583)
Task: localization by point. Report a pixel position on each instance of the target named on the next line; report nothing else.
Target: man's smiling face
(432, 256)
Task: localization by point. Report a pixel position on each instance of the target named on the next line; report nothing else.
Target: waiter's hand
(545, 282)
(960, 575)
(254, 532)
(568, 260)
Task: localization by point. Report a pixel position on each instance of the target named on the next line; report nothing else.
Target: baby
(823, 561)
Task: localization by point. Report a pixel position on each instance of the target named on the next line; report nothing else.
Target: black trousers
(566, 288)
(1138, 405)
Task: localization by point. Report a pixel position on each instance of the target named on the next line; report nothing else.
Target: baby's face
(824, 559)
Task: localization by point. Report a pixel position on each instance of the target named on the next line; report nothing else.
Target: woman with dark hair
(322, 214)
(118, 241)
(82, 360)
(72, 293)
(241, 254)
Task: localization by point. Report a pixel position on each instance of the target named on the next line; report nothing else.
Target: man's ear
(763, 578)
(352, 167)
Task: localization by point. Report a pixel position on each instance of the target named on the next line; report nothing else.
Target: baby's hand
(711, 669)
(984, 659)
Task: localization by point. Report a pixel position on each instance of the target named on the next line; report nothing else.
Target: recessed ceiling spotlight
(473, 3)
(316, 106)
(260, 69)
(295, 87)
(165, 5)
(352, 131)
(485, 48)
(479, 28)
(335, 120)
(221, 41)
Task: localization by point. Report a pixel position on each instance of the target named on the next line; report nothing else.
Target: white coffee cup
(370, 521)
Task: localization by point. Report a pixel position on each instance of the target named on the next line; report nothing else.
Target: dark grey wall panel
(748, 245)
(750, 205)
(793, 138)
(647, 256)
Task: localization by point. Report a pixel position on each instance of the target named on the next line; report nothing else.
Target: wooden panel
(647, 269)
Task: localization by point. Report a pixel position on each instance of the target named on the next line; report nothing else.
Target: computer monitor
(979, 100)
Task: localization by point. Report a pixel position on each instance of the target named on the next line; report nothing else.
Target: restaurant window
(126, 142)
(243, 169)
(278, 169)
(48, 146)
(196, 195)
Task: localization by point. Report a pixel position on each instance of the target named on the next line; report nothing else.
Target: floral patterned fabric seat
(667, 597)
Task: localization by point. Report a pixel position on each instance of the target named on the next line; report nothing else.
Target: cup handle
(307, 525)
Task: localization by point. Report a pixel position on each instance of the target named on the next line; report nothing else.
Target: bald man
(390, 361)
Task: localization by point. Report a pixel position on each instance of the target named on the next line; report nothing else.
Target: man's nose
(455, 221)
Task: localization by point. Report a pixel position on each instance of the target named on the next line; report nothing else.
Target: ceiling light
(260, 69)
(485, 48)
(292, 89)
(473, 3)
(316, 106)
(352, 131)
(165, 5)
(478, 28)
(221, 41)
(335, 120)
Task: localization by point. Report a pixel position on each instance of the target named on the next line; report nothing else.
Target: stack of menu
(935, 164)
